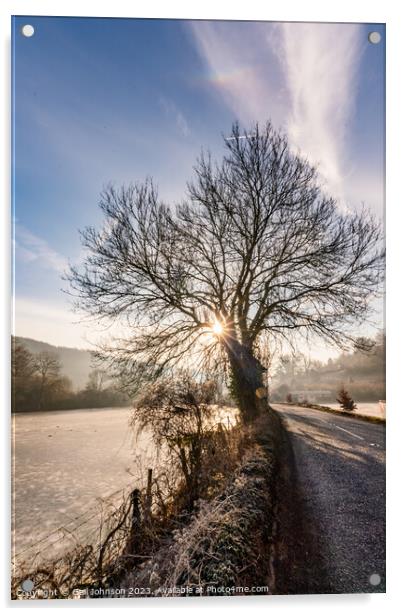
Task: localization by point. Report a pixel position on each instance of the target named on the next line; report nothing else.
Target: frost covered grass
(227, 540)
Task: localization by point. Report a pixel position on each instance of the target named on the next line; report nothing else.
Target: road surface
(332, 505)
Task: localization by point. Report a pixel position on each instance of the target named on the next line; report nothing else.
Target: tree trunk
(247, 381)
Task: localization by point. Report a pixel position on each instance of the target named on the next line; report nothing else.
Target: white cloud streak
(320, 63)
(48, 322)
(241, 67)
(30, 248)
(55, 322)
(301, 76)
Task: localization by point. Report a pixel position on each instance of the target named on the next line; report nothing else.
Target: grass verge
(225, 548)
(328, 409)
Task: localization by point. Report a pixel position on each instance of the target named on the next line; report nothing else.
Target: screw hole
(374, 38)
(28, 30)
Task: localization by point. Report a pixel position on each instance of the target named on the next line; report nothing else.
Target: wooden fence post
(148, 497)
(135, 542)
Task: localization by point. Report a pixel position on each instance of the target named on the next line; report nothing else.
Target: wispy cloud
(241, 67)
(172, 111)
(32, 249)
(320, 63)
(301, 76)
(54, 321)
(48, 321)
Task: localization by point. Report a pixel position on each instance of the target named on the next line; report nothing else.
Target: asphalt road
(333, 524)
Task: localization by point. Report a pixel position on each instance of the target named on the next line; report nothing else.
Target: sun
(217, 328)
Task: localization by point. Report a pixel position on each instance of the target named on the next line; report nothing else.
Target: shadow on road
(331, 511)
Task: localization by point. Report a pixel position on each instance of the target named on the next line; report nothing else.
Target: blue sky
(100, 100)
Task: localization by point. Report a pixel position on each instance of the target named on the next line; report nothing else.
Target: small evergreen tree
(347, 403)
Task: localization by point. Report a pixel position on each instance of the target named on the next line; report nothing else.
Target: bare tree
(22, 370)
(256, 248)
(47, 368)
(97, 380)
(22, 362)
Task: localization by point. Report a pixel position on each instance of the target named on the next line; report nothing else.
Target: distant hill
(76, 364)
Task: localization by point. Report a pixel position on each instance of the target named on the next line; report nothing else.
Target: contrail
(240, 137)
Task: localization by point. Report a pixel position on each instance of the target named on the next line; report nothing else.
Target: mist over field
(76, 364)
(361, 372)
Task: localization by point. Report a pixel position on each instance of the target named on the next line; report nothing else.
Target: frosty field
(63, 462)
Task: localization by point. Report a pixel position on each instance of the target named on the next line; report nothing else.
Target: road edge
(327, 409)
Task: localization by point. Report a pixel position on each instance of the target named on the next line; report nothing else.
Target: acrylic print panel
(198, 342)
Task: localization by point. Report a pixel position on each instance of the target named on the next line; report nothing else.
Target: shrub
(183, 422)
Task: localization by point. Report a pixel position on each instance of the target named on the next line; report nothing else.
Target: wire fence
(101, 541)
(91, 512)
(121, 523)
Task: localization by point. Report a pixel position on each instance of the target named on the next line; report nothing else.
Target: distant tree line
(39, 385)
(361, 371)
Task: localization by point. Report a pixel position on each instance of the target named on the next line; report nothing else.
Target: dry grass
(89, 563)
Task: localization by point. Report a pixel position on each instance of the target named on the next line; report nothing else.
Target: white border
(387, 11)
